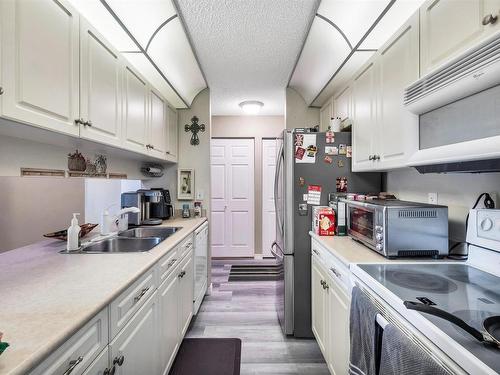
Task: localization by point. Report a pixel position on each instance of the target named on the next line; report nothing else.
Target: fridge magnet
(304, 197)
(341, 184)
(303, 209)
(342, 149)
(328, 159)
(349, 152)
(331, 150)
(340, 163)
(314, 195)
(310, 149)
(299, 153)
(329, 137)
(302, 182)
(299, 139)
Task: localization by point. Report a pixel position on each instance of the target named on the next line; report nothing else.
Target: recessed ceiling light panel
(251, 107)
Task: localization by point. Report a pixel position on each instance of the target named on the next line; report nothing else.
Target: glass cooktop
(465, 291)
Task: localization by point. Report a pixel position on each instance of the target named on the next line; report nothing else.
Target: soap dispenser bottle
(74, 234)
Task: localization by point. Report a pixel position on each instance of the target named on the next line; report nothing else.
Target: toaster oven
(397, 228)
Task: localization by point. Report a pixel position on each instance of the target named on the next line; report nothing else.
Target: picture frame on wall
(185, 184)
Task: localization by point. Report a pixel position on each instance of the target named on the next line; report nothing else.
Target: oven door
(361, 223)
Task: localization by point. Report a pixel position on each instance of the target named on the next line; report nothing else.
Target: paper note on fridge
(308, 151)
(314, 195)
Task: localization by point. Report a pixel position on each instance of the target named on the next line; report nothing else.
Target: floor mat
(208, 356)
(255, 272)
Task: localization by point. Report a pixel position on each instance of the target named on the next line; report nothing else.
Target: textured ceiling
(247, 48)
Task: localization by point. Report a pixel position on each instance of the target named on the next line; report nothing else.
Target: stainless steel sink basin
(122, 245)
(146, 232)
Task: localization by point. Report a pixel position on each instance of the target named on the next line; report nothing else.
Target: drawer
(167, 264)
(78, 352)
(126, 304)
(337, 270)
(186, 245)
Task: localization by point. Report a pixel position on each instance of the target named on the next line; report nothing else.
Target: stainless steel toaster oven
(397, 228)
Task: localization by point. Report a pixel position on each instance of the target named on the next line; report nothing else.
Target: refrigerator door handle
(279, 164)
(279, 257)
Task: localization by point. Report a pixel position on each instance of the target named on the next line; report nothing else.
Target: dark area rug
(208, 356)
(253, 272)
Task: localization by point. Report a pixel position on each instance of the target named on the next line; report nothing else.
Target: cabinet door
(100, 87)
(325, 115)
(342, 104)
(186, 289)
(168, 318)
(318, 304)
(364, 130)
(138, 342)
(158, 125)
(172, 134)
(338, 329)
(40, 66)
(397, 129)
(135, 110)
(101, 365)
(450, 26)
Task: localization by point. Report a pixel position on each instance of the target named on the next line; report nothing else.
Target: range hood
(459, 113)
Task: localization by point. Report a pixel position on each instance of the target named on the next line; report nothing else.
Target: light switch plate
(200, 195)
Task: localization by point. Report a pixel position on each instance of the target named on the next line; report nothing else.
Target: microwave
(397, 228)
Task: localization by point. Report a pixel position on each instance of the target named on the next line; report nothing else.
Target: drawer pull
(181, 275)
(171, 263)
(325, 286)
(322, 282)
(72, 365)
(316, 251)
(141, 294)
(118, 360)
(336, 273)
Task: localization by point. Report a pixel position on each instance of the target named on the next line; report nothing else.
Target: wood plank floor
(246, 309)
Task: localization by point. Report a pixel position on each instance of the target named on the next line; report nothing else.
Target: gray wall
(297, 113)
(33, 206)
(258, 128)
(457, 191)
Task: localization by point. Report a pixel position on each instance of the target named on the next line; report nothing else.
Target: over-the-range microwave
(397, 228)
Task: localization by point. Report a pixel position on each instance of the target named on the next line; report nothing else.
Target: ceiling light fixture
(251, 107)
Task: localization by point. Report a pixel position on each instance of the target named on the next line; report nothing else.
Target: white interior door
(232, 201)
(269, 152)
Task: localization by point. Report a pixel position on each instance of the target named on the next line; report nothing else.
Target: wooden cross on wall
(194, 128)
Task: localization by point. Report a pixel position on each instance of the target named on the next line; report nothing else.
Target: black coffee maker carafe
(162, 209)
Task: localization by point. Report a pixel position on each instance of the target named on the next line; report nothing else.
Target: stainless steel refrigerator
(292, 247)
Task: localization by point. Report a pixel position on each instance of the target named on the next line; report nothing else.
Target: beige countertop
(46, 296)
(350, 252)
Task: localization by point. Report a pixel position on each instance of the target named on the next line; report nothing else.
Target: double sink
(131, 241)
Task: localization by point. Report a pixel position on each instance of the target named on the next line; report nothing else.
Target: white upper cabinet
(40, 66)
(135, 110)
(397, 128)
(172, 134)
(385, 134)
(100, 88)
(325, 114)
(365, 119)
(450, 26)
(342, 104)
(158, 125)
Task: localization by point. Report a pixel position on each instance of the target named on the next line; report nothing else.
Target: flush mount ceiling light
(251, 107)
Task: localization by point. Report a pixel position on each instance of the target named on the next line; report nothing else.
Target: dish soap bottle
(73, 234)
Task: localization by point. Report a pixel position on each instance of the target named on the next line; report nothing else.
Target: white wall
(457, 191)
(256, 127)
(297, 113)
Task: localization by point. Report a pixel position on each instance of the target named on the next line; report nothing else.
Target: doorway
(233, 197)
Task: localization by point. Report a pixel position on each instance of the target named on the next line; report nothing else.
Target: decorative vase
(76, 162)
(101, 163)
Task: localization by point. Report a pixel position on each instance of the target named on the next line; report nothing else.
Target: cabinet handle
(371, 157)
(322, 282)
(336, 273)
(315, 251)
(108, 371)
(79, 121)
(326, 286)
(72, 365)
(489, 19)
(167, 152)
(118, 360)
(141, 294)
(171, 263)
(376, 157)
(88, 123)
(181, 275)
(1, 90)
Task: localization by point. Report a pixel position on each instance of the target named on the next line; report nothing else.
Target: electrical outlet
(432, 198)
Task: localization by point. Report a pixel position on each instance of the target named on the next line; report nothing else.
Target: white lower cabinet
(168, 318)
(186, 293)
(330, 312)
(135, 349)
(101, 365)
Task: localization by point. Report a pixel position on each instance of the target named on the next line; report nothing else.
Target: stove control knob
(379, 237)
(379, 247)
(486, 224)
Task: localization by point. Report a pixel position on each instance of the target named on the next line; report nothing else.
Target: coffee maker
(142, 199)
(162, 209)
